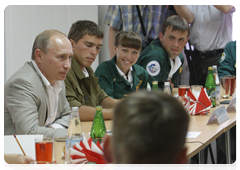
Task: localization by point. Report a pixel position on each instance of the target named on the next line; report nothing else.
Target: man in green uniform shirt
(82, 89)
(162, 58)
(228, 60)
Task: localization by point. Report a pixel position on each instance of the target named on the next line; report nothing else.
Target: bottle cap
(210, 68)
(155, 82)
(98, 108)
(74, 109)
(167, 83)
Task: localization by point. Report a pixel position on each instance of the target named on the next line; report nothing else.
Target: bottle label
(217, 95)
(70, 141)
(212, 93)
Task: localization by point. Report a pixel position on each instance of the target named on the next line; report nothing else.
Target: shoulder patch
(223, 57)
(180, 69)
(153, 68)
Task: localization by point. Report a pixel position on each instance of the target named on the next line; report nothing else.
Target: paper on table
(193, 134)
(27, 142)
(232, 105)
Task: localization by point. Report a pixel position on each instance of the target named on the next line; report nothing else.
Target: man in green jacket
(162, 58)
(82, 89)
(227, 62)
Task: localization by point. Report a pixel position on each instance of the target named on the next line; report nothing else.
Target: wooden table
(209, 132)
(197, 123)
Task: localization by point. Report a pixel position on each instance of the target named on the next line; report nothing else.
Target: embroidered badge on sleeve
(223, 57)
(153, 68)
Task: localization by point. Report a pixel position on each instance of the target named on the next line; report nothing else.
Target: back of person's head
(85, 27)
(176, 23)
(128, 39)
(42, 41)
(149, 127)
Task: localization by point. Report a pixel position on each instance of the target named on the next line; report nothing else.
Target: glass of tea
(225, 84)
(232, 83)
(182, 89)
(44, 149)
(40, 165)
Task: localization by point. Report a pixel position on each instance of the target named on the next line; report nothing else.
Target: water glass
(59, 150)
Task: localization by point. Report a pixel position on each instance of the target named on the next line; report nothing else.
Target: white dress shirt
(52, 93)
(211, 29)
(174, 66)
(129, 77)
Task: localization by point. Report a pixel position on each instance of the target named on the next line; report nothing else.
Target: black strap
(190, 53)
(141, 21)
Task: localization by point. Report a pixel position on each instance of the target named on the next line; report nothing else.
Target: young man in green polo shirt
(162, 58)
(82, 89)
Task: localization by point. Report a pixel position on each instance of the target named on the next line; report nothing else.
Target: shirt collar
(122, 74)
(174, 66)
(44, 79)
(85, 72)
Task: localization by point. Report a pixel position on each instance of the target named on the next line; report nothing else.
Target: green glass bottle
(98, 127)
(211, 86)
(154, 85)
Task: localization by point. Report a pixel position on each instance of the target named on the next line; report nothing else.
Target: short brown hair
(85, 27)
(42, 41)
(128, 39)
(177, 23)
(149, 127)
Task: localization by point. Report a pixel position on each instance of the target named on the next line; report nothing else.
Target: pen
(19, 145)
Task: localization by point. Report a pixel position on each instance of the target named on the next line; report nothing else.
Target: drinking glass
(225, 87)
(232, 83)
(59, 150)
(40, 165)
(196, 89)
(44, 149)
(182, 89)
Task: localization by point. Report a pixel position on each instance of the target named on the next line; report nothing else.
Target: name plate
(232, 105)
(220, 114)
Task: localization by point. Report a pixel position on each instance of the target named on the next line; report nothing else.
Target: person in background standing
(211, 30)
(125, 18)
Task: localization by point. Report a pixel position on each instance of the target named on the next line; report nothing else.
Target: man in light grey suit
(34, 97)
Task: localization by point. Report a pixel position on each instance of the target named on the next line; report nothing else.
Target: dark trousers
(221, 147)
(201, 63)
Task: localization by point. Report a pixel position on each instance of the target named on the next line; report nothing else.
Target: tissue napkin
(200, 104)
(87, 151)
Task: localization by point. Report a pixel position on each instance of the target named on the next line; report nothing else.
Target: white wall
(23, 23)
